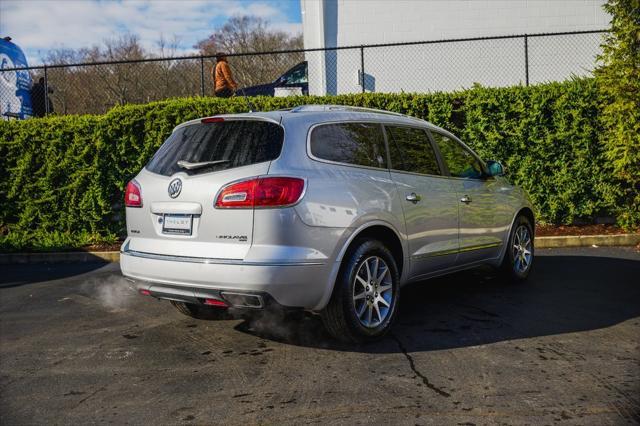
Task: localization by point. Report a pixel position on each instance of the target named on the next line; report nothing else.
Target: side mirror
(495, 168)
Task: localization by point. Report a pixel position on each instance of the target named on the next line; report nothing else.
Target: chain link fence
(443, 65)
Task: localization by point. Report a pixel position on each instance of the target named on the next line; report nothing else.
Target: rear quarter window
(411, 150)
(229, 144)
(360, 144)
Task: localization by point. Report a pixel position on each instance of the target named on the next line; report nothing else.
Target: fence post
(46, 91)
(526, 59)
(201, 76)
(362, 67)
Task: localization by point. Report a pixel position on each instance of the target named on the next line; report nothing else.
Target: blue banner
(15, 86)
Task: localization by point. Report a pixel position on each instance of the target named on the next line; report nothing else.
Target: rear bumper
(247, 300)
(290, 284)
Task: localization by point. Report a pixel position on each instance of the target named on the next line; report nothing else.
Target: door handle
(414, 198)
(466, 199)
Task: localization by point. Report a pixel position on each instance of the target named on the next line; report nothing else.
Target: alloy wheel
(522, 253)
(372, 292)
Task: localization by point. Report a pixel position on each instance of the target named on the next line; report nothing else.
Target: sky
(40, 25)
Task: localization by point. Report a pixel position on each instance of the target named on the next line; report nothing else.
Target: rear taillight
(261, 192)
(133, 194)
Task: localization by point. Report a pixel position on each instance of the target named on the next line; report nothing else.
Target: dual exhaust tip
(225, 300)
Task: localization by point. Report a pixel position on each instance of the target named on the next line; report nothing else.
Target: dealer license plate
(177, 224)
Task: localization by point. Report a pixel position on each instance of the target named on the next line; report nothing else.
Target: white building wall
(330, 23)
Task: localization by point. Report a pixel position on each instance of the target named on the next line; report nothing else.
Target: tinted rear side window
(411, 151)
(361, 144)
(233, 143)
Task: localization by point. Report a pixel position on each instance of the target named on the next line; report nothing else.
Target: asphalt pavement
(78, 346)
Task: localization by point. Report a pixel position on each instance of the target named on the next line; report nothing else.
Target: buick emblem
(175, 186)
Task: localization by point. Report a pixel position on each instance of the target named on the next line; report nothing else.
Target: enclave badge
(175, 186)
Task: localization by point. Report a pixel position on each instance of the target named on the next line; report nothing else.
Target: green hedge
(62, 178)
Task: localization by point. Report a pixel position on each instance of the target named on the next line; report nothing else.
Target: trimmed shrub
(62, 177)
(619, 79)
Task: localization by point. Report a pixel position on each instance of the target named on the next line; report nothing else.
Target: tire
(351, 315)
(519, 254)
(200, 312)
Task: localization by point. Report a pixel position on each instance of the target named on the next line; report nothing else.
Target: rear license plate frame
(182, 229)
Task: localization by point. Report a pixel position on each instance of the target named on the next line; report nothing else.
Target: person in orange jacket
(224, 86)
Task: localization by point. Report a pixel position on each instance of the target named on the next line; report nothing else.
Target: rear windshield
(226, 145)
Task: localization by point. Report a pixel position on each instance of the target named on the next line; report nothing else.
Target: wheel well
(526, 212)
(387, 237)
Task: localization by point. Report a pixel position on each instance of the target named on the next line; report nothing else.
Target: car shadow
(563, 294)
(16, 275)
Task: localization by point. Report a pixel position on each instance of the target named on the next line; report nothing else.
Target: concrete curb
(114, 256)
(588, 241)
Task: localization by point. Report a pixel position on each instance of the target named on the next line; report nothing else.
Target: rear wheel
(366, 294)
(518, 258)
(200, 312)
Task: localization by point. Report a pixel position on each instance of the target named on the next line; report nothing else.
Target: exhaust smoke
(112, 291)
(297, 327)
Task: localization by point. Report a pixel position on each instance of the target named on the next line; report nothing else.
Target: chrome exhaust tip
(243, 300)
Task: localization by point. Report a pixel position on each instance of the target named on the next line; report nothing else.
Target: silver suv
(330, 209)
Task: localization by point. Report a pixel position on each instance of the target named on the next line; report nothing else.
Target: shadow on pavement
(564, 294)
(19, 274)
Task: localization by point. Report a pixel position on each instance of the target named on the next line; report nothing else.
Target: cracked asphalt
(78, 347)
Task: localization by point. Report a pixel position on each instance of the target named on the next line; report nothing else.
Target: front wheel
(366, 294)
(518, 257)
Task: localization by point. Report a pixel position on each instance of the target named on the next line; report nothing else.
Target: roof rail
(318, 108)
(329, 108)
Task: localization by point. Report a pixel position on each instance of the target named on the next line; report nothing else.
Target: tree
(94, 89)
(62, 81)
(248, 34)
(121, 82)
(174, 78)
(619, 81)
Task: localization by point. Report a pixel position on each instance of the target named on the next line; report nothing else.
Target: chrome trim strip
(212, 261)
(435, 254)
(458, 250)
(480, 246)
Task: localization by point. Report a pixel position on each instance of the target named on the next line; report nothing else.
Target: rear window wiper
(190, 166)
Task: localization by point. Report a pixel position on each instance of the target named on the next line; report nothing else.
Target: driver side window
(295, 76)
(460, 162)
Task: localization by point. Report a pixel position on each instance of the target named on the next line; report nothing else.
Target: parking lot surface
(79, 347)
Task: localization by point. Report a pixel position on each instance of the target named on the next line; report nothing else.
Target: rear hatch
(179, 186)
